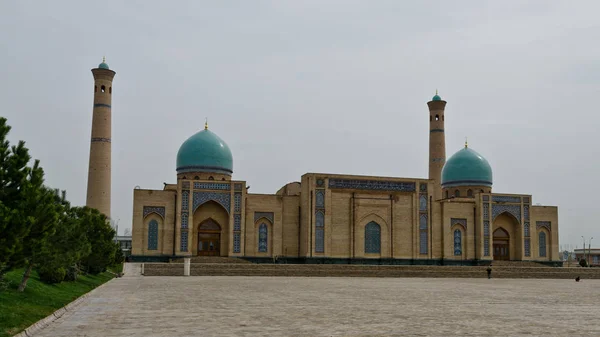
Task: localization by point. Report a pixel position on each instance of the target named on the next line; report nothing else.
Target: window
(437, 117)
(372, 238)
(457, 242)
(153, 235)
(542, 244)
(196, 178)
(211, 178)
(263, 233)
(103, 88)
(457, 193)
(423, 234)
(320, 232)
(470, 193)
(423, 202)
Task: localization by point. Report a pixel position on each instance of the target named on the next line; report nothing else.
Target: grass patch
(20, 310)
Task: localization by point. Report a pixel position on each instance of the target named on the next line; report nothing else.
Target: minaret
(437, 143)
(98, 189)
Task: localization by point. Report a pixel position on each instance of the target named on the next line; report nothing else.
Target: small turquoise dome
(103, 65)
(467, 168)
(204, 152)
(436, 98)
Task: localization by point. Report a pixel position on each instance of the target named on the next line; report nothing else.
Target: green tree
(14, 218)
(100, 236)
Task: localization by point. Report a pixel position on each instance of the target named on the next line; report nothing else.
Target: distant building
(125, 242)
(591, 255)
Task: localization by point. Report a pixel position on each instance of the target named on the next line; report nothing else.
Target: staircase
(212, 260)
(324, 270)
(500, 263)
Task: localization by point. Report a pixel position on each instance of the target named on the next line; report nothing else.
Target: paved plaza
(281, 306)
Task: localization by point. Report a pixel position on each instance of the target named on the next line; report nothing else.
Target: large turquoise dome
(466, 168)
(204, 152)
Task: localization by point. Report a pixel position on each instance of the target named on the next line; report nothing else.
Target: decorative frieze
(545, 224)
(212, 186)
(506, 198)
(515, 210)
(224, 199)
(154, 209)
(372, 185)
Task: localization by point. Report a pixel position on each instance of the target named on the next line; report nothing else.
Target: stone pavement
(332, 306)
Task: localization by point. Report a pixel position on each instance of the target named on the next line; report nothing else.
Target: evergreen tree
(100, 236)
(14, 218)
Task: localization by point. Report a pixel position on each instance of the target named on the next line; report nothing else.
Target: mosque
(453, 217)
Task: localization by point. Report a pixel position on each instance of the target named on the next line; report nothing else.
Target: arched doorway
(501, 244)
(209, 238)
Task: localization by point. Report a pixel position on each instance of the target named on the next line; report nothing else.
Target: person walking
(489, 271)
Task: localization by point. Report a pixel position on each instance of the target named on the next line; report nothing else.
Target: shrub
(583, 263)
(72, 273)
(52, 275)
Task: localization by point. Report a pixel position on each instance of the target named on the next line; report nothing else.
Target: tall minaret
(437, 142)
(98, 189)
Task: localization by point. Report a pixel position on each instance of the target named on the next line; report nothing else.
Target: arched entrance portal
(501, 244)
(209, 238)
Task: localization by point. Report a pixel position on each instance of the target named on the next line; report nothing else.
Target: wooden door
(209, 244)
(501, 251)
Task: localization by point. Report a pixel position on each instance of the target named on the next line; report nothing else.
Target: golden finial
(466, 143)
(206, 124)
(103, 59)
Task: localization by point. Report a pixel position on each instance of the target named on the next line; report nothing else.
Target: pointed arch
(209, 224)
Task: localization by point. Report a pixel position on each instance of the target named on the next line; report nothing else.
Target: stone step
(213, 259)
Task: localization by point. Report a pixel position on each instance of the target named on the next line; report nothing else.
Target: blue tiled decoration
(184, 241)
(373, 185)
(320, 182)
(515, 210)
(542, 244)
(320, 198)
(423, 202)
(263, 233)
(237, 186)
(526, 200)
(267, 215)
(184, 220)
(372, 238)
(486, 228)
(462, 222)
(526, 229)
(545, 224)
(486, 198)
(237, 222)
(423, 244)
(237, 202)
(185, 200)
(506, 198)
(236, 242)
(153, 235)
(185, 185)
(486, 211)
(457, 242)
(320, 232)
(212, 186)
(154, 209)
(527, 247)
(223, 199)
(423, 187)
(486, 247)
(526, 212)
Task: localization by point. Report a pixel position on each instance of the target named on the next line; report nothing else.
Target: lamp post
(590, 251)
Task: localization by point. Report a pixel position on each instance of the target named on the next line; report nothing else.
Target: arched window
(211, 178)
(103, 88)
(542, 244)
(196, 178)
(153, 235)
(470, 193)
(457, 242)
(437, 117)
(457, 193)
(263, 235)
(373, 238)
(320, 232)
(423, 245)
(423, 202)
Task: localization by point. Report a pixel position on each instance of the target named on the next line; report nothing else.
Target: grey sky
(313, 86)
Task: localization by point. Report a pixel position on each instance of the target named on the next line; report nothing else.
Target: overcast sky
(313, 86)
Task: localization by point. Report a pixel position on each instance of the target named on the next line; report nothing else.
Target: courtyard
(332, 306)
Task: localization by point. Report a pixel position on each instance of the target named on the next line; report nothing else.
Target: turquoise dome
(467, 168)
(103, 65)
(205, 152)
(436, 98)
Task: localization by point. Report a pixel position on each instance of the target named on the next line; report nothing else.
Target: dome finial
(206, 124)
(104, 60)
(436, 91)
(466, 143)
